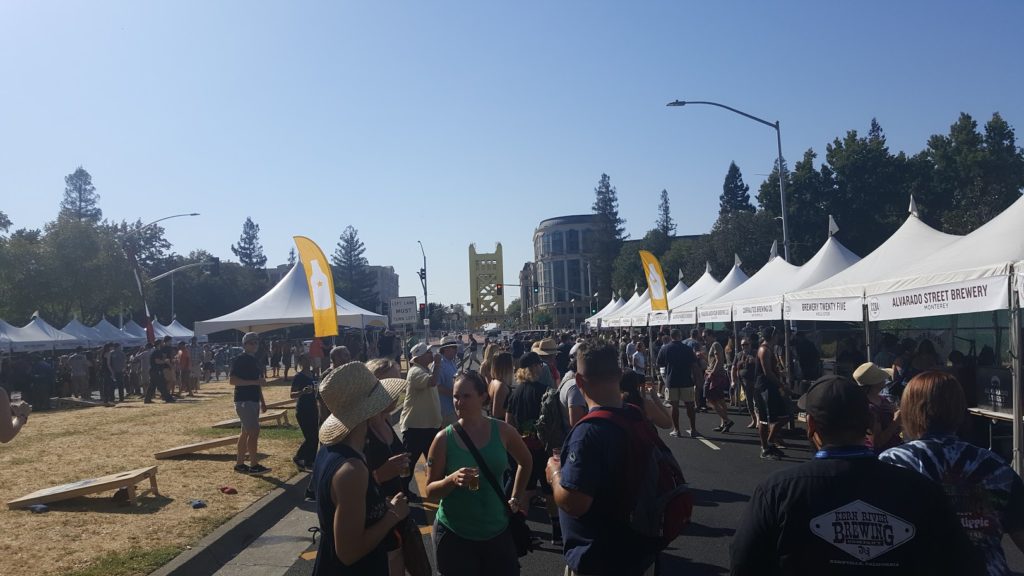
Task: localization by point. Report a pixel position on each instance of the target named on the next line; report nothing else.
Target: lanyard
(847, 452)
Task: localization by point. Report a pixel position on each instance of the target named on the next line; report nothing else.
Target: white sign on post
(403, 310)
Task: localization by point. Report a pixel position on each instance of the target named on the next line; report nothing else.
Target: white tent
(970, 274)
(180, 331)
(686, 313)
(641, 315)
(287, 304)
(764, 282)
(6, 341)
(136, 333)
(110, 333)
(624, 316)
(615, 319)
(611, 306)
(706, 283)
(841, 297)
(86, 335)
(38, 335)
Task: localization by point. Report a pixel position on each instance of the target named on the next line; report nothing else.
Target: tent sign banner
(688, 316)
(658, 318)
(848, 309)
(321, 287)
(765, 310)
(403, 310)
(720, 313)
(981, 295)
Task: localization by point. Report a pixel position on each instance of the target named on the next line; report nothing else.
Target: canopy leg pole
(1018, 464)
(867, 334)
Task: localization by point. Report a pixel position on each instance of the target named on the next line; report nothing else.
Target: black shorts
(458, 556)
(769, 404)
(538, 476)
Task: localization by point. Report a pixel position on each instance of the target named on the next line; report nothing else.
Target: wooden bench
(196, 447)
(126, 480)
(288, 403)
(275, 415)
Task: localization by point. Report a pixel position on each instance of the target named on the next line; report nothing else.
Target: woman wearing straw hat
(471, 529)
(354, 516)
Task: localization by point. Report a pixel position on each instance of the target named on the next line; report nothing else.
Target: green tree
(291, 256)
(688, 255)
(5, 222)
(145, 243)
(746, 234)
(807, 193)
(609, 237)
(735, 193)
(628, 270)
(81, 202)
(249, 250)
(543, 318)
(352, 278)
(514, 310)
(664, 222)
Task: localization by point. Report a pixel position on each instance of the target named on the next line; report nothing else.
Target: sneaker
(727, 426)
(258, 469)
(719, 428)
(241, 468)
(556, 533)
(693, 433)
(674, 434)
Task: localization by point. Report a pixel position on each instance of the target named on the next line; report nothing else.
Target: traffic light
(536, 287)
(593, 307)
(423, 310)
(499, 289)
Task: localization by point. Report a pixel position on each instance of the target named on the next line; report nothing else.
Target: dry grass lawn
(69, 445)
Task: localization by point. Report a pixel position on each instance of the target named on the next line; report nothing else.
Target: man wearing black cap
(845, 512)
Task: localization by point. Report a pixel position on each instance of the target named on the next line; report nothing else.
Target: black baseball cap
(837, 404)
(530, 359)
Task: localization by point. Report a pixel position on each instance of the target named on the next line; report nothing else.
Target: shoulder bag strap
(480, 462)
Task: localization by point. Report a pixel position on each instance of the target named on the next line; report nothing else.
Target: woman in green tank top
(471, 527)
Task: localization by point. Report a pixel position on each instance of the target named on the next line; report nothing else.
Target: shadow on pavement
(701, 531)
(716, 497)
(676, 565)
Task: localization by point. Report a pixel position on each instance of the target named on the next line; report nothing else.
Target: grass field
(93, 535)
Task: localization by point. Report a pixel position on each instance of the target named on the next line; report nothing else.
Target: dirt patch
(65, 446)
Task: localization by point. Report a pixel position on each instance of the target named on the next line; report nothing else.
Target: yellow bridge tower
(486, 286)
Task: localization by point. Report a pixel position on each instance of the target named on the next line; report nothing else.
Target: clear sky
(459, 122)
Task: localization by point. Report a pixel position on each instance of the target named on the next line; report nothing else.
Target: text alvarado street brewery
(940, 296)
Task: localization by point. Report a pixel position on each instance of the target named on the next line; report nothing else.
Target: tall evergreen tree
(735, 193)
(249, 250)
(352, 278)
(291, 256)
(664, 222)
(609, 237)
(80, 198)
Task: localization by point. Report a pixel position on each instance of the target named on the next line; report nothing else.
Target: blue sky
(460, 122)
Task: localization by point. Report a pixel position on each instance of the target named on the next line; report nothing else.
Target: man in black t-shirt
(846, 512)
(682, 372)
(158, 361)
(248, 377)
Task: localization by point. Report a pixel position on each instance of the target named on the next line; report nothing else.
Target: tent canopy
(110, 333)
(841, 296)
(37, 335)
(611, 306)
(285, 305)
(706, 283)
(719, 308)
(86, 335)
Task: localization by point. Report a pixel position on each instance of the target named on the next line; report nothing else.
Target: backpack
(551, 423)
(662, 504)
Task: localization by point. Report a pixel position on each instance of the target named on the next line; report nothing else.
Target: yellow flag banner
(321, 287)
(655, 281)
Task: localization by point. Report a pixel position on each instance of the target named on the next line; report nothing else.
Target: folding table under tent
(87, 336)
(706, 283)
(285, 305)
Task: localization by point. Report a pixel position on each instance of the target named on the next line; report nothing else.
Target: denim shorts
(249, 413)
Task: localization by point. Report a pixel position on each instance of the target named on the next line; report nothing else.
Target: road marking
(708, 443)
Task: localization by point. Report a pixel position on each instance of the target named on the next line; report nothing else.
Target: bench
(196, 447)
(127, 480)
(275, 415)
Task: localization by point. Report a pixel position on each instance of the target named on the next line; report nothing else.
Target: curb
(219, 547)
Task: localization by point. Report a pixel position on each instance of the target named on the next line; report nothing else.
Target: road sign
(403, 310)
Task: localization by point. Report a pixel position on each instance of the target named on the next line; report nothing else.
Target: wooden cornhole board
(126, 480)
(196, 447)
(277, 415)
(75, 403)
(289, 403)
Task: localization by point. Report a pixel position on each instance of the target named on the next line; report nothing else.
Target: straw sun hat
(354, 395)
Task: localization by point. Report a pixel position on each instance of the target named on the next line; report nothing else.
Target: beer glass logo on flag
(655, 281)
(321, 287)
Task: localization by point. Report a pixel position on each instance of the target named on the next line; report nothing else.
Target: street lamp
(782, 175)
(131, 255)
(426, 304)
(573, 302)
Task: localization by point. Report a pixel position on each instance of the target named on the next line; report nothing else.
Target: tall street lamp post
(782, 175)
(134, 263)
(426, 303)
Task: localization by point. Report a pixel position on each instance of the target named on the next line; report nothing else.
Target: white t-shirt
(639, 362)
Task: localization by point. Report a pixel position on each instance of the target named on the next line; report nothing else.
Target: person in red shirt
(184, 358)
(316, 356)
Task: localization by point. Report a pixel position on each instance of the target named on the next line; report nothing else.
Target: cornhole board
(289, 403)
(75, 403)
(126, 480)
(276, 415)
(196, 447)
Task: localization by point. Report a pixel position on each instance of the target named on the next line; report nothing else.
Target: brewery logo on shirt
(861, 530)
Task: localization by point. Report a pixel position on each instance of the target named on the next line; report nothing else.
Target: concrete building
(386, 285)
(562, 250)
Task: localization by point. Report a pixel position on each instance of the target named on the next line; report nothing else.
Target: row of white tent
(39, 336)
(917, 272)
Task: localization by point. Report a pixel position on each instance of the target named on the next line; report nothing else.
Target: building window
(546, 248)
(556, 243)
(572, 242)
(575, 283)
(559, 280)
(547, 292)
